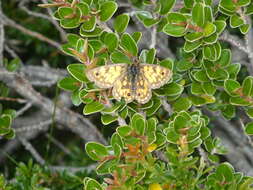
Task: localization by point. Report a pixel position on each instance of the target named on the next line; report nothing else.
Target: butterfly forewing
(142, 92)
(105, 76)
(155, 75)
(123, 89)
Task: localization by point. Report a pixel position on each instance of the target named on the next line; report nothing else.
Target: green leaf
(73, 21)
(112, 109)
(111, 40)
(191, 37)
(107, 10)
(173, 89)
(244, 28)
(168, 63)
(174, 30)
(249, 112)
(231, 86)
(228, 5)
(166, 6)
(78, 72)
(236, 21)
(249, 9)
(124, 131)
(189, 3)
(10, 135)
(89, 24)
(246, 183)
(93, 107)
(172, 136)
(176, 18)
(238, 101)
(209, 29)
(197, 100)
(128, 44)
(75, 98)
(148, 56)
(146, 18)
(220, 26)
(184, 65)
(228, 111)
(198, 14)
(136, 36)
(208, 13)
(82, 95)
(209, 88)
(96, 151)
(13, 65)
(242, 3)
(121, 22)
(181, 104)
(151, 56)
(225, 171)
(154, 108)
(225, 58)
(84, 7)
(211, 39)
(92, 184)
(5, 123)
(196, 88)
(10, 112)
(180, 122)
(65, 11)
(138, 123)
(151, 129)
(116, 140)
(69, 83)
(247, 86)
(108, 119)
(95, 33)
(119, 57)
(201, 76)
(191, 46)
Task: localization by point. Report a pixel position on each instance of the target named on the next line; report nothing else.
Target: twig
(233, 41)
(166, 106)
(19, 100)
(38, 126)
(248, 40)
(59, 144)
(24, 109)
(64, 116)
(28, 146)
(153, 37)
(7, 21)
(73, 169)
(55, 23)
(32, 13)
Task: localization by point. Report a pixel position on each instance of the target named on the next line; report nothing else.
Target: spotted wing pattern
(142, 92)
(123, 89)
(156, 75)
(105, 76)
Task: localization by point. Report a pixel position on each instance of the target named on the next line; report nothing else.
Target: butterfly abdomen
(133, 72)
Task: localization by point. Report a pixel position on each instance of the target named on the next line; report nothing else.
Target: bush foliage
(167, 142)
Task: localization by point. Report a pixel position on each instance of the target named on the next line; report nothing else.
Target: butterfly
(130, 81)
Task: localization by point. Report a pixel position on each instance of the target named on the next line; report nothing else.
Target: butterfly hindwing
(123, 89)
(142, 92)
(155, 75)
(105, 76)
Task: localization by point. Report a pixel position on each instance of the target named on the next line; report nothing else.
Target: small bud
(155, 186)
(152, 147)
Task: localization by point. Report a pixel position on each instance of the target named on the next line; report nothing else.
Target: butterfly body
(131, 82)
